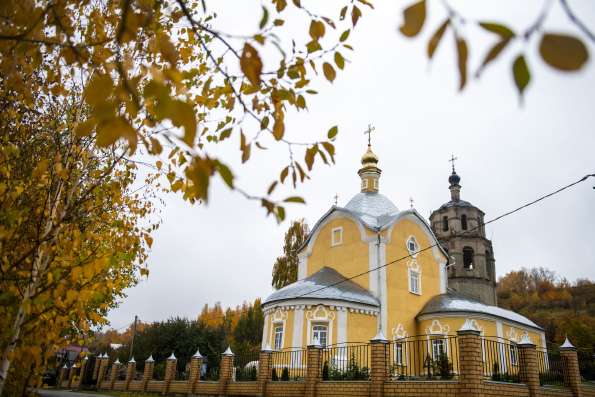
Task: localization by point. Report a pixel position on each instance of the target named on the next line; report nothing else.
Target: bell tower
(459, 226)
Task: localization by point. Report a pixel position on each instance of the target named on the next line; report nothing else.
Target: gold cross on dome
(369, 132)
(452, 160)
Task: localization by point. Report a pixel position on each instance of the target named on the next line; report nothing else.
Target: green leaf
(462, 61)
(332, 133)
(272, 187)
(344, 35)
(414, 17)
(294, 199)
(329, 71)
(309, 156)
(491, 55)
(264, 19)
(226, 174)
(563, 52)
(436, 37)
(521, 74)
(284, 174)
(500, 30)
(316, 30)
(339, 60)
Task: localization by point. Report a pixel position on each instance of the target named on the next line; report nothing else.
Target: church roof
(338, 288)
(453, 302)
(374, 209)
(456, 203)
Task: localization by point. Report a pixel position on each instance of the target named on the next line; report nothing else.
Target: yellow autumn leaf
(251, 64)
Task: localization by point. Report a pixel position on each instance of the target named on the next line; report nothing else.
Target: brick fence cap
(117, 361)
(132, 360)
(567, 344)
(379, 337)
(172, 357)
(525, 340)
(197, 354)
(65, 366)
(86, 358)
(228, 351)
(150, 359)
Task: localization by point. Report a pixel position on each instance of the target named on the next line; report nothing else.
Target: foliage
(352, 372)
(285, 374)
(285, 268)
(443, 367)
(563, 52)
(157, 74)
(274, 376)
(325, 371)
(71, 239)
(560, 307)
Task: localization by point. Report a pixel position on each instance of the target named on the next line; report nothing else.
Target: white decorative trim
(302, 266)
(309, 303)
(436, 328)
(279, 318)
(265, 331)
(411, 239)
(413, 267)
(399, 332)
(499, 329)
(334, 242)
(443, 278)
(383, 285)
(320, 314)
(372, 264)
(481, 316)
(341, 326)
(298, 327)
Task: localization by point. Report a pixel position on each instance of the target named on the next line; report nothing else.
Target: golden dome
(369, 159)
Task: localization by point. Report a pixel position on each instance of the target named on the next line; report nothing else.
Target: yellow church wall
(361, 327)
(514, 332)
(403, 305)
(348, 258)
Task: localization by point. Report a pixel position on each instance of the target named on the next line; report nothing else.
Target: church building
(370, 268)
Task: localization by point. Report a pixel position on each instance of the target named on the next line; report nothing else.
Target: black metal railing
(346, 362)
(289, 364)
(245, 366)
(586, 364)
(500, 359)
(551, 370)
(424, 357)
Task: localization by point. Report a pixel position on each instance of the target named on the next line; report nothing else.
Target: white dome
(374, 204)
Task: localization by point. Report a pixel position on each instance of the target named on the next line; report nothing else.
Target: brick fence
(469, 375)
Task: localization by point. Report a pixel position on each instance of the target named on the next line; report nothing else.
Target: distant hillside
(559, 306)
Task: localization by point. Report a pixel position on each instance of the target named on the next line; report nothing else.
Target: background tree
(560, 307)
(71, 239)
(285, 268)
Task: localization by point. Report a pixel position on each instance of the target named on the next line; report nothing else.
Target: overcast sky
(508, 155)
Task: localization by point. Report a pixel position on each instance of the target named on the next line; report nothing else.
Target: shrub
(274, 376)
(285, 374)
(325, 373)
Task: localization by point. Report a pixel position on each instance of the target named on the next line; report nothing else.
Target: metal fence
(424, 357)
(289, 365)
(549, 363)
(346, 362)
(245, 366)
(586, 364)
(500, 359)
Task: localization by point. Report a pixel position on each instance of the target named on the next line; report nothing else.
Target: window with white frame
(278, 337)
(399, 353)
(414, 281)
(412, 246)
(514, 354)
(336, 236)
(320, 332)
(438, 348)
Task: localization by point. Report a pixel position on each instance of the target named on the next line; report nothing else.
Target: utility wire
(468, 231)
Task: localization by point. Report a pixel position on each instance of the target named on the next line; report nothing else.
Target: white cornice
(310, 303)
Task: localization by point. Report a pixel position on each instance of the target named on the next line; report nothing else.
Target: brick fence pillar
(71, 374)
(83, 368)
(379, 365)
(62, 375)
(572, 375)
(170, 372)
(470, 360)
(225, 371)
(528, 369)
(114, 374)
(148, 372)
(96, 365)
(103, 361)
(264, 369)
(194, 375)
(313, 371)
(130, 372)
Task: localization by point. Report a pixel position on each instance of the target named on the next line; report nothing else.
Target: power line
(468, 231)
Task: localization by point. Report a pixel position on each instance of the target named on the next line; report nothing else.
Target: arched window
(445, 223)
(468, 258)
(464, 222)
